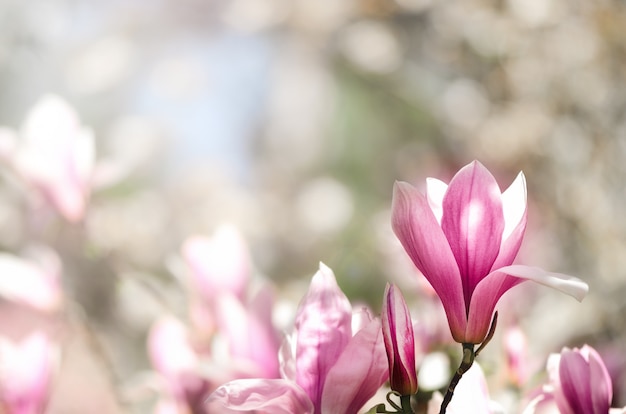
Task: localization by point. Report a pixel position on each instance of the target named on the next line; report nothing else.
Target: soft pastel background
(291, 120)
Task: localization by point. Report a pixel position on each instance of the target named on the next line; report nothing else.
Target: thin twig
(466, 363)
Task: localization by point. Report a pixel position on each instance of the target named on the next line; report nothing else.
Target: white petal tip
(569, 285)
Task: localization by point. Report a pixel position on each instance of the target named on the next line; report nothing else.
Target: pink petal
(287, 357)
(558, 398)
(25, 282)
(516, 351)
(489, 291)
(544, 403)
(358, 373)
(514, 204)
(56, 155)
(417, 229)
(248, 336)
(599, 379)
(515, 218)
(170, 351)
(276, 396)
(575, 382)
(260, 310)
(435, 191)
(26, 374)
(360, 319)
(399, 341)
(323, 324)
(220, 263)
(473, 223)
(569, 285)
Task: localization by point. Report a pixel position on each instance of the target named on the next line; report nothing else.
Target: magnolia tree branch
(466, 363)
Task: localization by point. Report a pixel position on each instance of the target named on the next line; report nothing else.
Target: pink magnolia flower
(219, 270)
(464, 238)
(399, 342)
(25, 374)
(326, 369)
(55, 154)
(173, 357)
(579, 384)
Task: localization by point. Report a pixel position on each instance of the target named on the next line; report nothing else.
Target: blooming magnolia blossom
(55, 154)
(325, 368)
(579, 384)
(399, 342)
(464, 238)
(25, 373)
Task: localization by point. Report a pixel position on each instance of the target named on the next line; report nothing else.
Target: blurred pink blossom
(55, 154)
(173, 357)
(36, 283)
(224, 308)
(516, 354)
(464, 238)
(218, 264)
(325, 367)
(26, 370)
(249, 332)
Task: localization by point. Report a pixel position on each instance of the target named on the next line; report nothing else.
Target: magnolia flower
(464, 237)
(219, 270)
(326, 369)
(579, 383)
(399, 342)
(25, 374)
(174, 358)
(55, 154)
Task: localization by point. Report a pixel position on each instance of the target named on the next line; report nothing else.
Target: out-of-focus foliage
(291, 119)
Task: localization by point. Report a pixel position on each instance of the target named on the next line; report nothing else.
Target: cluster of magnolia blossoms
(464, 237)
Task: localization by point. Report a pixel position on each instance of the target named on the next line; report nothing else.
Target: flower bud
(399, 342)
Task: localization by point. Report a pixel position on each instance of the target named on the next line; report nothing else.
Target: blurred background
(290, 120)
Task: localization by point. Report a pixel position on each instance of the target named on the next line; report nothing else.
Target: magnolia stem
(466, 363)
(405, 401)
